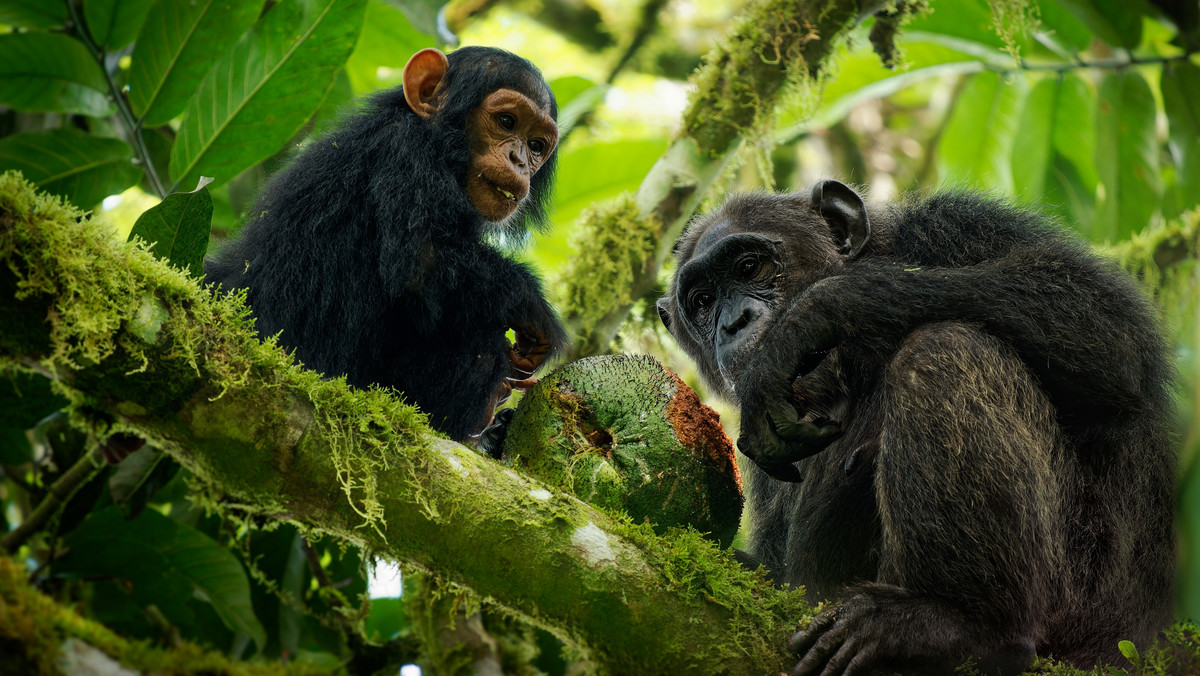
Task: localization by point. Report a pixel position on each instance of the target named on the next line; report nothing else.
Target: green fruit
(621, 432)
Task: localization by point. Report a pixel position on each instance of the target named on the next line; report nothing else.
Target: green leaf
(1056, 127)
(115, 23)
(51, 73)
(387, 619)
(132, 473)
(423, 15)
(1033, 148)
(1062, 26)
(1075, 128)
(32, 13)
(1129, 650)
(68, 162)
(164, 560)
(1181, 99)
(1126, 156)
(263, 91)
(976, 146)
(1117, 22)
(388, 39)
(26, 398)
(970, 20)
(14, 447)
(178, 227)
(178, 44)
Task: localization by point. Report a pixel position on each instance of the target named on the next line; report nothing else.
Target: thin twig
(1106, 64)
(133, 126)
(60, 493)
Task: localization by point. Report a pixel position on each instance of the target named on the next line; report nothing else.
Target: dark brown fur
(1000, 479)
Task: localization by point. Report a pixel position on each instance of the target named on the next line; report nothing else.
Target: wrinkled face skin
(511, 138)
(737, 271)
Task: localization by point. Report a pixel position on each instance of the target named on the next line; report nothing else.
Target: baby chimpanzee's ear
(422, 75)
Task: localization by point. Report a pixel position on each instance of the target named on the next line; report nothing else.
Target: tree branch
(123, 334)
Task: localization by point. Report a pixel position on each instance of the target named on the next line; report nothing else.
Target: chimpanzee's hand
(775, 431)
(774, 437)
(527, 354)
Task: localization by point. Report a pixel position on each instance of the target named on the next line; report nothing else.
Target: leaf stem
(133, 126)
(1106, 64)
(61, 491)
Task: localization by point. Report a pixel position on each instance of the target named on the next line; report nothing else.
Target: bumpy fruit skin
(621, 432)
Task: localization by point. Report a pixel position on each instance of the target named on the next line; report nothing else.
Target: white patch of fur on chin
(509, 232)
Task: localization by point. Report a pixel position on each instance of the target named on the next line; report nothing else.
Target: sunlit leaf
(1181, 100)
(1117, 22)
(1052, 156)
(261, 93)
(588, 174)
(976, 146)
(387, 40)
(1075, 128)
(1126, 156)
(423, 15)
(1033, 148)
(68, 162)
(115, 23)
(177, 228)
(32, 13)
(157, 555)
(1063, 26)
(178, 44)
(970, 20)
(44, 72)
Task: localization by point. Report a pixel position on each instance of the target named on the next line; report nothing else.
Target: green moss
(615, 244)
(774, 46)
(33, 629)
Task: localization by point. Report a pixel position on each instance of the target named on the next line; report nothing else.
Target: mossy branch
(124, 335)
(774, 46)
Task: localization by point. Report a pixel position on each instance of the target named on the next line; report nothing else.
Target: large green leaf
(178, 44)
(177, 228)
(1075, 128)
(264, 90)
(32, 13)
(26, 398)
(68, 162)
(1117, 22)
(1126, 156)
(115, 23)
(51, 73)
(1181, 100)
(423, 15)
(1062, 26)
(164, 560)
(976, 146)
(387, 40)
(1056, 126)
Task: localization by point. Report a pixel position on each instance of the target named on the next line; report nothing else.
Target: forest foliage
(164, 117)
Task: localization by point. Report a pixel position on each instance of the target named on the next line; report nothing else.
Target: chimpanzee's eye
(537, 145)
(748, 266)
(506, 121)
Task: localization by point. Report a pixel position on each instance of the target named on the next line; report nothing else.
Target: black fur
(366, 257)
(1002, 479)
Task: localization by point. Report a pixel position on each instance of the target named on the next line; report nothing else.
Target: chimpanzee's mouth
(504, 193)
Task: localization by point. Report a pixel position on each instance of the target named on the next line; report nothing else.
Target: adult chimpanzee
(975, 408)
(367, 254)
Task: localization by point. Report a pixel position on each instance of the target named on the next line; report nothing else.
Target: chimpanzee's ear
(664, 311)
(422, 75)
(846, 215)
